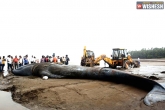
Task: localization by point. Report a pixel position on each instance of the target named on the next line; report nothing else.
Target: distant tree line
(148, 53)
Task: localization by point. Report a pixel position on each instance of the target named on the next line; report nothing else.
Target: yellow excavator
(88, 58)
(120, 57)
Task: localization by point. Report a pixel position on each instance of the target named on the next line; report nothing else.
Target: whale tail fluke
(157, 94)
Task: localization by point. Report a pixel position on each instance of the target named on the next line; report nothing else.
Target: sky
(44, 27)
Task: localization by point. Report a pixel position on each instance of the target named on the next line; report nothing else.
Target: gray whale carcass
(156, 94)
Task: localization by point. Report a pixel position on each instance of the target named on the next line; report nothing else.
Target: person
(12, 63)
(3, 62)
(138, 60)
(15, 61)
(50, 59)
(32, 59)
(63, 60)
(67, 60)
(26, 61)
(42, 59)
(58, 59)
(35, 59)
(54, 59)
(46, 59)
(9, 62)
(20, 61)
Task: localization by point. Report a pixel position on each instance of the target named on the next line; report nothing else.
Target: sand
(76, 94)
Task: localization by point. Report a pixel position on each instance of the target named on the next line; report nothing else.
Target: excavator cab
(119, 54)
(90, 53)
(121, 58)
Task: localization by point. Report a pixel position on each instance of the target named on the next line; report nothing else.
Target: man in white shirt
(58, 59)
(63, 59)
(32, 59)
(20, 61)
(9, 63)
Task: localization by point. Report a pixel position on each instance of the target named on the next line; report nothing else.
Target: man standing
(67, 60)
(32, 59)
(15, 60)
(54, 59)
(26, 61)
(63, 60)
(20, 61)
(9, 63)
(3, 62)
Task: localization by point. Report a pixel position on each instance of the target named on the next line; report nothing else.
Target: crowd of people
(15, 62)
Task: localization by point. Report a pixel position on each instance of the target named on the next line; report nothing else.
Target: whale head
(25, 70)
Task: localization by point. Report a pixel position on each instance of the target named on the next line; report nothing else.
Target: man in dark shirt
(67, 60)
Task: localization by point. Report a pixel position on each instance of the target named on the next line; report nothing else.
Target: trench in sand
(6, 101)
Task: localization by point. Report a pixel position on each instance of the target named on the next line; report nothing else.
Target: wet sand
(78, 94)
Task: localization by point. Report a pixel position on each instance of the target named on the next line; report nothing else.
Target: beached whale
(51, 70)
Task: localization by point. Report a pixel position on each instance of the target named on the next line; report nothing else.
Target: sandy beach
(79, 94)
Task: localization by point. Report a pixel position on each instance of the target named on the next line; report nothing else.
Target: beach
(35, 93)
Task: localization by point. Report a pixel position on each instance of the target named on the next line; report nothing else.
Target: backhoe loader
(88, 58)
(120, 57)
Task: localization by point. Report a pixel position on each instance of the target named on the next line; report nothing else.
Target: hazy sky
(43, 27)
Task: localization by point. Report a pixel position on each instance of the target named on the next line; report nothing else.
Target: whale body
(52, 70)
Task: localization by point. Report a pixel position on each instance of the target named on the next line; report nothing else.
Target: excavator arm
(101, 57)
(84, 52)
(106, 59)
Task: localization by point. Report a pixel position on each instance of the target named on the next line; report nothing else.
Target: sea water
(6, 102)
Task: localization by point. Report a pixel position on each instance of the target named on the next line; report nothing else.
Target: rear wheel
(82, 62)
